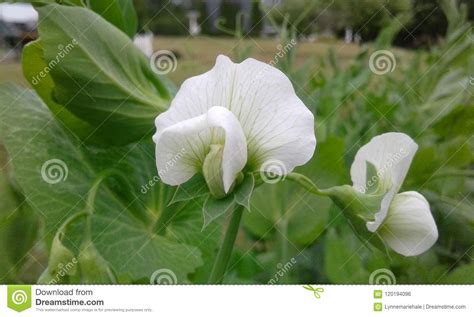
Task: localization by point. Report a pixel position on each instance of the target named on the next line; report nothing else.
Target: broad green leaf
(120, 13)
(35, 71)
(187, 227)
(305, 215)
(99, 74)
(130, 246)
(272, 206)
(94, 269)
(195, 187)
(16, 219)
(214, 208)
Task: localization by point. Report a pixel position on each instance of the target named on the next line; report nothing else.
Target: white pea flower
(404, 221)
(231, 118)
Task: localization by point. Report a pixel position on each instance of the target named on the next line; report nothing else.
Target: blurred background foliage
(290, 236)
(326, 17)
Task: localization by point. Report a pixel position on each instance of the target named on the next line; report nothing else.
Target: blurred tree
(429, 23)
(169, 17)
(162, 16)
(299, 14)
(365, 17)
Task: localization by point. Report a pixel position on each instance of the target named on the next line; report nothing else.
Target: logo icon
(163, 62)
(273, 171)
(19, 297)
(382, 62)
(54, 171)
(377, 293)
(377, 306)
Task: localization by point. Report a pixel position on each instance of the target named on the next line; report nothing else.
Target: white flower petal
(276, 123)
(182, 147)
(391, 154)
(409, 228)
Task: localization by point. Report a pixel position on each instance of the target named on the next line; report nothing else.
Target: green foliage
(144, 250)
(120, 13)
(17, 219)
(461, 275)
(110, 220)
(121, 87)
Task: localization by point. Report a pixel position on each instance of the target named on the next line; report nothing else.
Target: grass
(198, 54)
(10, 71)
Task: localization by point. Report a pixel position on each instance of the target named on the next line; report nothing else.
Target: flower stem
(307, 183)
(225, 251)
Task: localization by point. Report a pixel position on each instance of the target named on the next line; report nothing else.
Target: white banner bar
(238, 301)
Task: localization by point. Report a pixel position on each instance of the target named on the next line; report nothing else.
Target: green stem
(225, 251)
(134, 205)
(164, 218)
(307, 183)
(71, 219)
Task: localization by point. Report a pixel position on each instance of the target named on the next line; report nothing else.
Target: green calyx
(354, 203)
(362, 204)
(358, 208)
